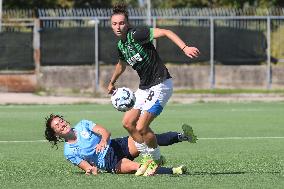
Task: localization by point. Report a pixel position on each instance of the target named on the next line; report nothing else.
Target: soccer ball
(123, 99)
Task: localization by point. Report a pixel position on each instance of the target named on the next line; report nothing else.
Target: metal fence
(270, 22)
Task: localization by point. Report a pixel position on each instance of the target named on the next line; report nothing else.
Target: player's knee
(128, 124)
(141, 129)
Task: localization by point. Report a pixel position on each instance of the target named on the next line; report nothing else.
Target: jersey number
(150, 96)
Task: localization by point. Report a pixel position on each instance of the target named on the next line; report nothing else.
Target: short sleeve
(143, 35)
(75, 160)
(89, 125)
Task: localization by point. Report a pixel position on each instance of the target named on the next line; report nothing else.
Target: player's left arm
(105, 134)
(191, 52)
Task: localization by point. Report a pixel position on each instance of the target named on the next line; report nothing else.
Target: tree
(92, 3)
(32, 4)
(215, 3)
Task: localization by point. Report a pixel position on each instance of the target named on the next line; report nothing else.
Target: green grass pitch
(241, 145)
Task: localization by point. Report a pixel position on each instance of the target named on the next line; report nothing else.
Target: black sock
(168, 138)
(164, 170)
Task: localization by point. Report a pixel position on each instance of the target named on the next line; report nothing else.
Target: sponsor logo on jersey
(134, 59)
(85, 134)
(130, 48)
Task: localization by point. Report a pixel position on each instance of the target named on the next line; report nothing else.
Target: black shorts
(118, 149)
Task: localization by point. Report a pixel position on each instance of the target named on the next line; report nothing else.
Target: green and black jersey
(139, 52)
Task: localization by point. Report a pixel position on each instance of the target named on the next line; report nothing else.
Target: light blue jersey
(84, 148)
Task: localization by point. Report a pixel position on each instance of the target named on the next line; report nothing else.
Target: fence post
(148, 4)
(268, 52)
(212, 66)
(154, 26)
(97, 66)
(1, 15)
(36, 47)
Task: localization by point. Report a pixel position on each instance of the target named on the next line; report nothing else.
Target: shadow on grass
(218, 173)
(231, 173)
(201, 173)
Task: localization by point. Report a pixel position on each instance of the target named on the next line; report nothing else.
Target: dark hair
(49, 132)
(120, 8)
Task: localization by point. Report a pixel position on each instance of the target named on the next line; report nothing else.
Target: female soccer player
(136, 49)
(88, 146)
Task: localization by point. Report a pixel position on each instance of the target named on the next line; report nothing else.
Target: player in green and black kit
(136, 49)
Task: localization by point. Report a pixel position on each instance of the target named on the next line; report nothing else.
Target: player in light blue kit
(89, 146)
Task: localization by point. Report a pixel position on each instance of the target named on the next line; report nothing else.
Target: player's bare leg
(126, 166)
(143, 127)
(132, 148)
(129, 123)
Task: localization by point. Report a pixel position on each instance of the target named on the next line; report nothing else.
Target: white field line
(220, 138)
(22, 141)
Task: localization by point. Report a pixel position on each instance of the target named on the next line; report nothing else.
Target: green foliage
(130, 3)
(23, 4)
(277, 41)
(33, 4)
(214, 3)
(92, 4)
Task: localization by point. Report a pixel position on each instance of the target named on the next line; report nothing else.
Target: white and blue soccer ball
(123, 99)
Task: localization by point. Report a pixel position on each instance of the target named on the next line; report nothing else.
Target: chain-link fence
(67, 37)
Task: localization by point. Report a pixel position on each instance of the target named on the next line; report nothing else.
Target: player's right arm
(119, 69)
(88, 168)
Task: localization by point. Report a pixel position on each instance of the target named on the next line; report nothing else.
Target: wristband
(184, 47)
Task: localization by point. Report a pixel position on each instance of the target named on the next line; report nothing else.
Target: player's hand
(191, 52)
(93, 170)
(110, 88)
(101, 146)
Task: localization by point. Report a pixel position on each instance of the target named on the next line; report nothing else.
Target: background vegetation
(139, 3)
